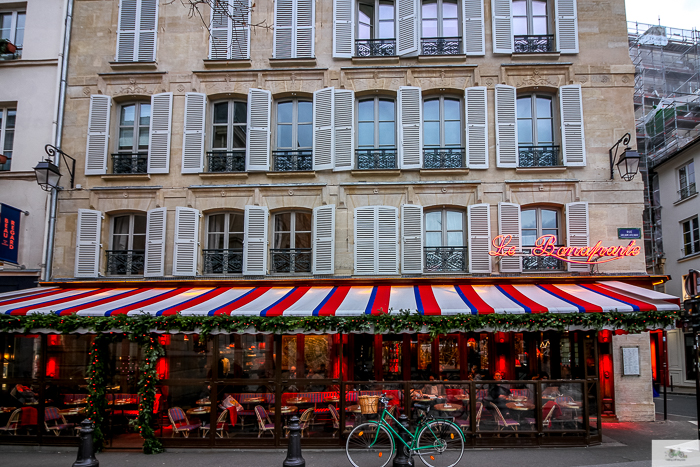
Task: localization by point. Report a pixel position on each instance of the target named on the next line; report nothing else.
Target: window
(12, 29)
(294, 136)
(536, 132)
(445, 248)
(531, 27)
(224, 246)
(691, 237)
(128, 250)
(132, 147)
(536, 222)
(137, 31)
(442, 133)
(229, 121)
(291, 252)
(375, 28)
(440, 28)
(7, 135)
(376, 134)
(686, 181)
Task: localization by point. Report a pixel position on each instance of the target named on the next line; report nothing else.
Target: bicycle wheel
(369, 445)
(440, 444)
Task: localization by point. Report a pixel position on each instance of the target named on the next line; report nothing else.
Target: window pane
(386, 110)
(143, 138)
(366, 134)
(19, 33)
(221, 112)
(305, 137)
(454, 220)
(282, 240)
(302, 222)
(120, 242)
(525, 131)
(520, 26)
(452, 109)
(539, 7)
(450, 28)
(5, 25)
(236, 222)
(284, 136)
(433, 239)
(519, 8)
(386, 11)
(449, 9)
(453, 134)
(238, 137)
(126, 138)
(549, 219)
(386, 29)
(283, 222)
(305, 112)
(12, 116)
(529, 237)
(216, 223)
(430, 28)
(431, 109)
(140, 225)
(366, 14)
(386, 134)
(429, 10)
(364, 31)
(235, 241)
(539, 26)
(544, 131)
(528, 219)
(121, 225)
(145, 114)
(524, 107)
(219, 140)
(552, 232)
(240, 112)
(127, 116)
(365, 110)
(544, 107)
(139, 242)
(431, 133)
(284, 112)
(433, 220)
(455, 239)
(302, 240)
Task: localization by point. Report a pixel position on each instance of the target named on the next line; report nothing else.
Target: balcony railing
(539, 156)
(228, 261)
(376, 159)
(441, 46)
(292, 161)
(226, 161)
(290, 260)
(375, 47)
(686, 192)
(444, 158)
(130, 163)
(445, 258)
(533, 44)
(541, 263)
(125, 262)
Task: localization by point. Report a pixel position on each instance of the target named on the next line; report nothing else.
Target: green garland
(147, 393)
(97, 399)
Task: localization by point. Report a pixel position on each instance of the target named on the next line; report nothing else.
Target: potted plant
(7, 49)
(3, 158)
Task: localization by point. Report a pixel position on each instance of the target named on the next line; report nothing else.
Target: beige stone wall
(633, 394)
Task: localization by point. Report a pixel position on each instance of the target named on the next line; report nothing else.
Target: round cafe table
(205, 401)
(253, 400)
(520, 406)
(71, 412)
(448, 408)
(332, 400)
(285, 411)
(516, 398)
(198, 410)
(7, 409)
(297, 400)
(462, 397)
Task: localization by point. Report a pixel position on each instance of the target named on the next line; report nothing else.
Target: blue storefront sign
(9, 233)
(628, 233)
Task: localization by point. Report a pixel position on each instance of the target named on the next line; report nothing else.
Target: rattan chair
(264, 423)
(502, 421)
(180, 424)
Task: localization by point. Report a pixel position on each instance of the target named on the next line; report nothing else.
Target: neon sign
(546, 246)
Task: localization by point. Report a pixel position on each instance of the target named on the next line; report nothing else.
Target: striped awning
(348, 300)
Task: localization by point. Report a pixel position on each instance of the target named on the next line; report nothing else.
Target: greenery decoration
(97, 399)
(147, 393)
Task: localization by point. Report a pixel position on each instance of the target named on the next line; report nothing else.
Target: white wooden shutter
(186, 241)
(255, 241)
(324, 240)
(323, 129)
(410, 127)
(148, 31)
(407, 26)
(305, 26)
(365, 254)
(155, 243)
(258, 132)
(502, 26)
(506, 129)
(96, 153)
(344, 142)
(283, 37)
(87, 244)
(509, 224)
(160, 132)
(577, 233)
(573, 142)
(127, 30)
(343, 28)
(220, 30)
(411, 239)
(477, 133)
(479, 221)
(387, 240)
(473, 23)
(566, 19)
(240, 30)
(193, 134)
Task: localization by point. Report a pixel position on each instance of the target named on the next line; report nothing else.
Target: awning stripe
(23, 310)
(31, 296)
(330, 304)
(637, 305)
(515, 295)
(475, 303)
(379, 300)
(205, 297)
(144, 303)
(560, 294)
(277, 309)
(102, 301)
(425, 300)
(239, 302)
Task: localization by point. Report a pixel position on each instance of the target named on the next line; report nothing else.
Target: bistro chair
(180, 423)
(336, 420)
(464, 424)
(220, 425)
(502, 421)
(548, 409)
(264, 423)
(12, 423)
(54, 421)
(304, 422)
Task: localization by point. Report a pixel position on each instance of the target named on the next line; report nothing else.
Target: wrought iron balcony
(376, 159)
(130, 163)
(125, 262)
(533, 44)
(539, 156)
(445, 258)
(226, 161)
(441, 46)
(541, 263)
(686, 192)
(292, 161)
(444, 158)
(228, 261)
(290, 260)
(375, 47)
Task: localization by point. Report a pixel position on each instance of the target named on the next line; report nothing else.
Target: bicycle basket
(368, 404)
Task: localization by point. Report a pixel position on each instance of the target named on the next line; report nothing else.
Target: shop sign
(629, 233)
(546, 245)
(9, 226)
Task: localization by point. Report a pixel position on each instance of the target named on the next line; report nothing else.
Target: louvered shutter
(509, 225)
(186, 241)
(127, 31)
(220, 30)
(193, 135)
(96, 152)
(148, 31)
(283, 38)
(323, 129)
(305, 26)
(387, 240)
(159, 134)
(406, 27)
(155, 243)
(410, 127)
(502, 26)
(343, 28)
(566, 19)
(506, 129)
(477, 133)
(473, 23)
(255, 241)
(240, 30)
(479, 221)
(87, 244)
(573, 142)
(411, 239)
(344, 115)
(365, 254)
(324, 240)
(577, 233)
(258, 134)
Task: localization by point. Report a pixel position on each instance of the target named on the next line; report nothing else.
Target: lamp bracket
(53, 152)
(613, 157)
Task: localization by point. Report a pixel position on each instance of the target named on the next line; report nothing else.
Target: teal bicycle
(438, 442)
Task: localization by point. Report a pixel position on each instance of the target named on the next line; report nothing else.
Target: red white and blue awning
(347, 300)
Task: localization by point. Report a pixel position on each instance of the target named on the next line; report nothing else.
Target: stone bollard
(401, 459)
(294, 458)
(86, 448)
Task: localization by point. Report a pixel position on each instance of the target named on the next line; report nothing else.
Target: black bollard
(401, 459)
(294, 458)
(86, 448)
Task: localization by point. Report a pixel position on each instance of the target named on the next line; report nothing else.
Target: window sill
(211, 63)
(121, 177)
(133, 66)
(444, 171)
(27, 175)
(442, 58)
(282, 62)
(689, 257)
(378, 173)
(209, 175)
(392, 59)
(538, 55)
(680, 201)
(531, 170)
(24, 62)
(310, 174)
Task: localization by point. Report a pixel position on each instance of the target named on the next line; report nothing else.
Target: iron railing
(125, 262)
(539, 156)
(375, 47)
(445, 258)
(226, 161)
(533, 44)
(376, 159)
(130, 163)
(292, 161)
(441, 46)
(541, 263)
(444, 158)
(228, 261)
(686, 192)
(290, 260)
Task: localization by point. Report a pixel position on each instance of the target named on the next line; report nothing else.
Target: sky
(683, 14)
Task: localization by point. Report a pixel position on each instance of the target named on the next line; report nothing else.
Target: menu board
(630, 361)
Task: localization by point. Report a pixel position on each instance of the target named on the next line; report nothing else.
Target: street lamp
(628, 163)
(48, 174)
